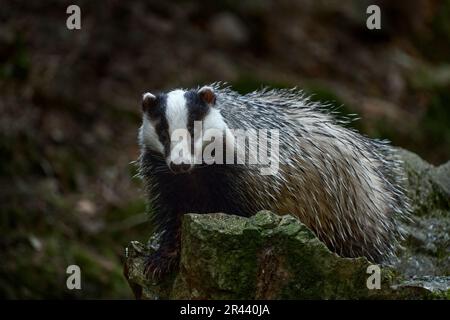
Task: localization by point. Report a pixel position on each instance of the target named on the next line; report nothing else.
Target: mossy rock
(268, 256)
(427, 246)
(262, 257)
(428, 186)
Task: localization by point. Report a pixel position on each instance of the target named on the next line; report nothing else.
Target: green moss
(232, 271)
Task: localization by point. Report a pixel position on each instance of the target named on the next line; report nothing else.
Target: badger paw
(159, 264)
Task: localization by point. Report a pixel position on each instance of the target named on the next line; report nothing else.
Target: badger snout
(180, 167)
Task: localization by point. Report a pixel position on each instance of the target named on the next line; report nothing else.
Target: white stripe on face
(177, 118)
(176, 110)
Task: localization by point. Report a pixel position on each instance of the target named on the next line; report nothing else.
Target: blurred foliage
(436, 123)
(440, 29)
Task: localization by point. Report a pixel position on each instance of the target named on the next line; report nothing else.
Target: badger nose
(180, 167)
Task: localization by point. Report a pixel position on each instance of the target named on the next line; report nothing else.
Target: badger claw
(158, 264)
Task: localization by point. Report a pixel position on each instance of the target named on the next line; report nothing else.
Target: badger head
(170, 125)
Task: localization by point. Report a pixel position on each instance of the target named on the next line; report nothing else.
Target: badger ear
(148, 101)
(207, 95)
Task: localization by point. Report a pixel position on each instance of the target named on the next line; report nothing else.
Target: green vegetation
(15, 63)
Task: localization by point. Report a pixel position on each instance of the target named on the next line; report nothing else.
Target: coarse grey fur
(345, 187)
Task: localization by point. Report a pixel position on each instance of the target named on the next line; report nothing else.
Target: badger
(346, 187)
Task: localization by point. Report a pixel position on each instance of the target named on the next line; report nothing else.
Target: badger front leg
(166, 258)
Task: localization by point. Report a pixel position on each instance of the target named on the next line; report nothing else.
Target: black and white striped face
(168, 124)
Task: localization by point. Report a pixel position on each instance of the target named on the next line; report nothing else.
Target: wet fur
(347, 188)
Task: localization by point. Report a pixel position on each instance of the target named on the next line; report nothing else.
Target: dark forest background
(70, 107)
